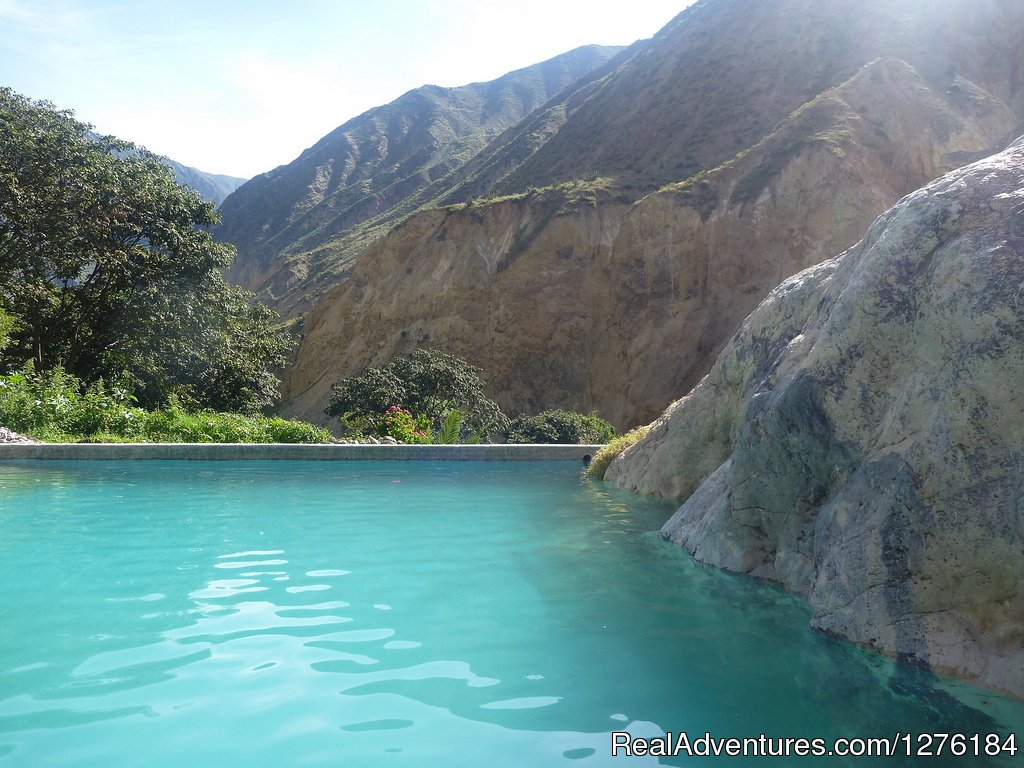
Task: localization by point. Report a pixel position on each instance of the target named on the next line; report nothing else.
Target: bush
(280, 430)
(401, 425)
(54, 403)
(173, 424)
(558, 426)
(599, 464)
(428, 384)
(55, 407)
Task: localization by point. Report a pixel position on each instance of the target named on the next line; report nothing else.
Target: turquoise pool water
(412, 614)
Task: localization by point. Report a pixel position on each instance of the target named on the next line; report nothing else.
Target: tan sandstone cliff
(861, 439)
(571, 297)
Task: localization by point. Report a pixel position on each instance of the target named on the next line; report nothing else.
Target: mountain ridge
(214, 187)
(574, 295)
(376, 160)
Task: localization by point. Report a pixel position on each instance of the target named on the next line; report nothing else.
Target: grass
(599, 464)
(567, 195)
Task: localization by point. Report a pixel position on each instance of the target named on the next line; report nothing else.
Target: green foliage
(427, 383)
(106, 262)
(215, 348)
(53, 403)
(361, 400)
(175, 424)
(403, 426)
(6, 326)
(451, 428)
(558, 426)
(278, 430)
(599, 464)
(54, 406)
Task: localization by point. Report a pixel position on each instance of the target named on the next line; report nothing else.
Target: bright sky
(240, 87)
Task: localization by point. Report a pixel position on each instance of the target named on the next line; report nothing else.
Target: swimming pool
(412, 614)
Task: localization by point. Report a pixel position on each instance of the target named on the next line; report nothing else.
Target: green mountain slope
(376, 161)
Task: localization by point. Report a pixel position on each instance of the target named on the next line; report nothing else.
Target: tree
(6, 326)
(558, 426)
(428, 383)
(206, 342)
(106, 263)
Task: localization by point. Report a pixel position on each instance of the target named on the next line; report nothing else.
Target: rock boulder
(861, 439)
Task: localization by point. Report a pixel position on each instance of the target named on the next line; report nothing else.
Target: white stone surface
(861, 438)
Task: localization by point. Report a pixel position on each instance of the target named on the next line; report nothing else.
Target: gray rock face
(861, 438)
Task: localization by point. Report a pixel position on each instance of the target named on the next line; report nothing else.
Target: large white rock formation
(861, 438)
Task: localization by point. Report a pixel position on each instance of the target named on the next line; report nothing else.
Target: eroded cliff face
(861, 439)
(573, 298)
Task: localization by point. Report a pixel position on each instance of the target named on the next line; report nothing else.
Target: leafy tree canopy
(106, 266)
(6, 326)
(428, 382)
(558, 426)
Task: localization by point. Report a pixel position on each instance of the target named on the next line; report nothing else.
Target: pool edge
(292, 452)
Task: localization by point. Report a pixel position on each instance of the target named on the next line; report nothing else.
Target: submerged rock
(861, 439)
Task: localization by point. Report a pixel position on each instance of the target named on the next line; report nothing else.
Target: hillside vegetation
(113, 309)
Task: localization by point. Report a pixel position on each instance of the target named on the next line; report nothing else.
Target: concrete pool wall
(293, 452)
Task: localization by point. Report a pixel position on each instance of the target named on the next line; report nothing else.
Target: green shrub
(53, 403)
(599, 464)
(427, 383)
(55, 407)
(176, 425)
(290, 431)
(558, 426)
(401, 425)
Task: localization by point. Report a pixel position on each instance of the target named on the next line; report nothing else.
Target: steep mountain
(718, 77)
(860, 439)
(575, 296)
(213, 187)
(376, 161)
(713, 82)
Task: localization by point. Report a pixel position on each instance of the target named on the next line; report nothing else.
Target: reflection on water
(381, 614)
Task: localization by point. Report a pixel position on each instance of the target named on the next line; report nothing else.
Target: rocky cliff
(861, 439)
(572, 296)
